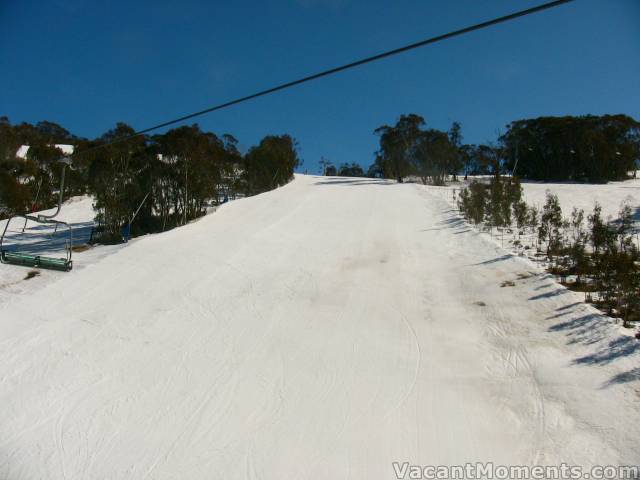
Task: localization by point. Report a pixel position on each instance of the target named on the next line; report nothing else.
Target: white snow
(581, 195)
(23, 150)
(77, 211)
(44, 240)
(320, 331)
(610, 196)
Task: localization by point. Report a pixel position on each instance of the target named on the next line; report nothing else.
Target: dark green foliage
(473, 202)
(270, 164)
(598, 229)
(375, 171)
(353, 170)
(397, 146)
(407, 149)
(588, 148)
(480, 160)
(551, 224)
(14, 197)
(520, 214)
(435, 157)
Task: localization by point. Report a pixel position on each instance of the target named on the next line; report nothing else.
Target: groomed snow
(320, 331)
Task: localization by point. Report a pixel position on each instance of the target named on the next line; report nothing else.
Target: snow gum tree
(551, 223)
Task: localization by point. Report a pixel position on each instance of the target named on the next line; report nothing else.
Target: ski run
(324, 330)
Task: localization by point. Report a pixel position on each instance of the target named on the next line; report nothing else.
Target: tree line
(599, 255)
(169, 179)
(587, 148)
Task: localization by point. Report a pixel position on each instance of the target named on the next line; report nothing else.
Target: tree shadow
(566, 307)
(591, 329)
(545, 285)
(620, 347)
(448, 223)
(501, 258)
(354, 182)
(40, 239)
(632, 375)
(557, 315)
(553, 293)
(586, 329)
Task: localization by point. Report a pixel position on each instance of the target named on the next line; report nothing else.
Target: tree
(551, 224)
(455, 138)
(270, 164)
(477, 202)
(597, 229)
(112, 178)
(375, 171)
(625, 225)
(495, 205)
(586, 148)
(433, 156)
(467, 156)
(353, 170)
(397, 145)
(521, 214)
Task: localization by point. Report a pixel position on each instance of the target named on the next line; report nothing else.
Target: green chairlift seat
(26, 258)
(36, 261)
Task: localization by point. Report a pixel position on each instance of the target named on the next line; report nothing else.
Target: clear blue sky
(87, 64)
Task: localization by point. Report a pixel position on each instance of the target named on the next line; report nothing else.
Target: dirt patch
(32, 274)
(525, 275)
(508, 283)
(80, 248)
(480, 304)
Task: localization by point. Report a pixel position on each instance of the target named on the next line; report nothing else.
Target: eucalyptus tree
(397, 146)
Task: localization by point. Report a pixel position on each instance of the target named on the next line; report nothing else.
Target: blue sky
(89, 64)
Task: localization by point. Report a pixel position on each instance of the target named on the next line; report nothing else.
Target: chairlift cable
(332, 71)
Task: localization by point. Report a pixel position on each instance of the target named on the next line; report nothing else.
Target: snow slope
(322, 330)
(41, 239)
(76, 210)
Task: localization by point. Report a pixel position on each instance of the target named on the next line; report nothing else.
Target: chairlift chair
(31, 259)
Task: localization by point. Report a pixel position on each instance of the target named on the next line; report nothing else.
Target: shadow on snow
(41, 239)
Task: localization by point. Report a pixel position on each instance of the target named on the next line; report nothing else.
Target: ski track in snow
(322, 330)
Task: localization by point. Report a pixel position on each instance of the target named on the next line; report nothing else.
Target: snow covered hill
(322, 330)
